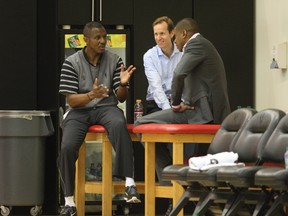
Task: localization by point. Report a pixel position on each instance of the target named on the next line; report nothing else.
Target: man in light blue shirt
(159, 64)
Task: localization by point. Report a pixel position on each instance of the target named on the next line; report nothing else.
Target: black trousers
(151, 107)
(163, 151)
(75, 127)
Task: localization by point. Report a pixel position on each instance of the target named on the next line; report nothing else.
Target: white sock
(69, 201)
(129, 182)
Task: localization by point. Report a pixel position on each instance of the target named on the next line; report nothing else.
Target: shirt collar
(160, 53)
(193, 36)
(86, 57)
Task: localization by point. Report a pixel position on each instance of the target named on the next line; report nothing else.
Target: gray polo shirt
(78, 76)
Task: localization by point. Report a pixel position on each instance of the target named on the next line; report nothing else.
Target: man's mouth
(101, 47)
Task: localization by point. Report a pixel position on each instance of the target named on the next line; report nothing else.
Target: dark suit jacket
(200, 75)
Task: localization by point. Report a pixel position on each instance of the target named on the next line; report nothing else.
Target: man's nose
(158, 37)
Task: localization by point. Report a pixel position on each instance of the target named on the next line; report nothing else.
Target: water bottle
(138, 109)
(92, 169)
(286, 158)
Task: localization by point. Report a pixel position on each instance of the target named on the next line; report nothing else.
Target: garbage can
(22, 158)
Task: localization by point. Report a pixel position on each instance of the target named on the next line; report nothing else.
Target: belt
(150, 102)
(153, 101)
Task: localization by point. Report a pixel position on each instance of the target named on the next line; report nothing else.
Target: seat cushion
(274, 177)
(177, 128)
(206, 178)
(176, 172)
(238, 176)
(101, 128)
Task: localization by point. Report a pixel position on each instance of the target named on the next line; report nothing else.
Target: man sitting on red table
(199, 87)
(93, 81)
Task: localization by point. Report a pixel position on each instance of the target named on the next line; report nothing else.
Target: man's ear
(85, 39)
(172, 34)
(184, 33)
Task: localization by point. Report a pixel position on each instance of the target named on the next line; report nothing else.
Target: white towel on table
(209, 161)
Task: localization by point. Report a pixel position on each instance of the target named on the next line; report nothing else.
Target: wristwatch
(176, 107)
(124, 85)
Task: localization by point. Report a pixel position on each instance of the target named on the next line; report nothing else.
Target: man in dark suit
(199, 87)
(199, 78)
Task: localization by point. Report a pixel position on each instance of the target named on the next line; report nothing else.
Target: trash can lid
(26, 114)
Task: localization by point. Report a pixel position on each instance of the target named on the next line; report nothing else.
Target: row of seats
(260, 187)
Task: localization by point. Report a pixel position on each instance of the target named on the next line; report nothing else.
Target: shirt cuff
(166, 106)
(176, 107)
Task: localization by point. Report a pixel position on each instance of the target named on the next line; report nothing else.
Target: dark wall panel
(229, 25)
(73, 12)
(122, 11)
(47, 95)
(18, 57)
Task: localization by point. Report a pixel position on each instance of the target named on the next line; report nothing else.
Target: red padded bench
(177, 134)
(107, 187)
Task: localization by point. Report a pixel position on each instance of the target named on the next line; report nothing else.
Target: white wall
(271, 29)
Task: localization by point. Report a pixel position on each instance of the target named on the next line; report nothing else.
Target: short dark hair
(89, 26)
(188, 24)
(164, 19)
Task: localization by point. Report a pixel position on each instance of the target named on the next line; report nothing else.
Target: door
(108, 12)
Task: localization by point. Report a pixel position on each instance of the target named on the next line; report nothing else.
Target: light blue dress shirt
(159, 72)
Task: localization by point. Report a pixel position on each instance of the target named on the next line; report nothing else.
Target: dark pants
(163, 150)
(151, 107)
(75, 127)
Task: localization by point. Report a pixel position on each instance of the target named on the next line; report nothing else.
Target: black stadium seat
(275, 176)
(249, 150)
(225, 136)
